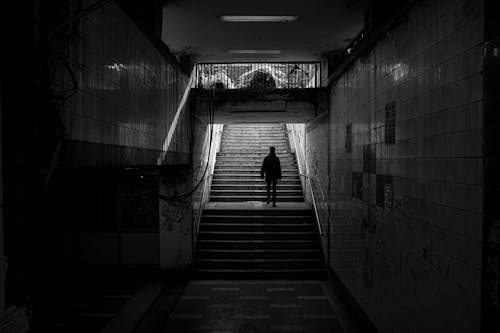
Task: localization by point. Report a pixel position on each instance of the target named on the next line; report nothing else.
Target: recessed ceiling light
(255, 51)
(258, 18)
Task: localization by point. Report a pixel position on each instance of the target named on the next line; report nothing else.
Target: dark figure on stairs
(272, 168)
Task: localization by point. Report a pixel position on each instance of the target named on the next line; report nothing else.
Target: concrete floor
(255, 306)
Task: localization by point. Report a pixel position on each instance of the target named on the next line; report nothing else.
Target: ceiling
(194, 27)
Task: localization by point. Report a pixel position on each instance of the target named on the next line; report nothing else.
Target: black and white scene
(250, 166)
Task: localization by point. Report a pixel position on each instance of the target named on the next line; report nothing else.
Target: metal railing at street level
(289, 75)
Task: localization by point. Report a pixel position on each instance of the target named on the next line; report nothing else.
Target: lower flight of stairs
(258, 244)
(236, 241)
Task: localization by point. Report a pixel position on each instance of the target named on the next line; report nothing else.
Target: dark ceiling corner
(149, 13)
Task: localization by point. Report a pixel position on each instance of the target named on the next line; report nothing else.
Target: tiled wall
(127, 97)
(128, 93)
(407, 210)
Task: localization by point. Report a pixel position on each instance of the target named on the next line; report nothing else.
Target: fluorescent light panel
(258, 18)
(255, 51)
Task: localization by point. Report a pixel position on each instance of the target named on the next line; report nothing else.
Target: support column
(490, 314)
(175, 219)
(3, 260)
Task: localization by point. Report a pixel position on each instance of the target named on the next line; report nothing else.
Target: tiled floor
(254, 306)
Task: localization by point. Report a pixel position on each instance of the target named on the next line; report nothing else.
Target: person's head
(272, 150)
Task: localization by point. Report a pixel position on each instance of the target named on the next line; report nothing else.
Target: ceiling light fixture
(255, 51)
(258, 18)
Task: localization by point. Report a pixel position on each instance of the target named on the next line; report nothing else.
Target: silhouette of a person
(272, 169)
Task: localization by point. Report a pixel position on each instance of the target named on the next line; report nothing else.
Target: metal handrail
(198, 219)
(297, 149)
(314, 203)
(211, 161)
(310, 184)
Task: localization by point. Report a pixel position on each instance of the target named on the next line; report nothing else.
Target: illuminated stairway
(241, 239)
(237, 168)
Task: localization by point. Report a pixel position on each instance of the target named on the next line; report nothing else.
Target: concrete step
(255, 227)
(255, 187)
(256, 153)
(253, 151)
(256, 244)
(266, 141)
(251, 160)
(254, 130)
(254, 139)
(251, 157)
(258, 219)
(262, 198)
(258, 254)
(254, 136)
(255, 164)
(239, 210)
(254, 145)
(249, 274)
(250, 176)
(244, 143)
(259, 263)
(238, 132)
(252, 181)
(262, 192)
(256, 235)
(225, 168)
(262, 144)
(257, 137)
(252, 171)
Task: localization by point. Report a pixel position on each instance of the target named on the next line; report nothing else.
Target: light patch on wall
(258, 18)
(254, 51)
(115, 67)
(399, 71)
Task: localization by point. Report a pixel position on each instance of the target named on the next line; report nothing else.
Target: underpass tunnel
(135, 196)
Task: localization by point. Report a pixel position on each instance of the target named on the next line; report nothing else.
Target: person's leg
(274, 192)
(268, 189)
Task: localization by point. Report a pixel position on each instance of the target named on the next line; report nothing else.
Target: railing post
(329, 243)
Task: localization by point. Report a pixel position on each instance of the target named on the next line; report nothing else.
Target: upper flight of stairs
(237, 167)
(240, 236)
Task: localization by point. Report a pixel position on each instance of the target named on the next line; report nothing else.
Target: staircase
(240, 235)
(237, 167)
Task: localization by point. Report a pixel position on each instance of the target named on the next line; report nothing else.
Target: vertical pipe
(2, 258)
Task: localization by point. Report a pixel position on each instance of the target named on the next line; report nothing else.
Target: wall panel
(407, 208)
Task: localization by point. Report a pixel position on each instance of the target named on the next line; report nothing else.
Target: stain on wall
(175, 219)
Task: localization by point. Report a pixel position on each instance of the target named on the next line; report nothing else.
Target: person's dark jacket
(271, 167)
